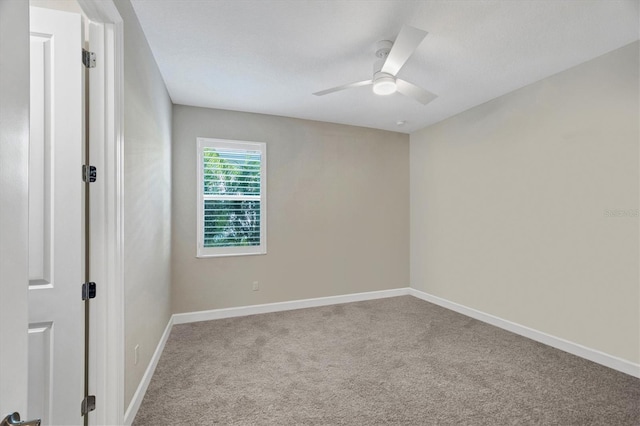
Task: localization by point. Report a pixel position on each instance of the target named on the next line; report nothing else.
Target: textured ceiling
(269, 56)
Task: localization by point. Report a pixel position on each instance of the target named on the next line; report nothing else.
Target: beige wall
(509, 206)
(147, 189)
(337, 208)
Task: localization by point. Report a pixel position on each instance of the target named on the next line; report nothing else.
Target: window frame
(204, 252)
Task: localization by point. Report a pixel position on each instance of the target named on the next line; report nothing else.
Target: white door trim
(107, 205)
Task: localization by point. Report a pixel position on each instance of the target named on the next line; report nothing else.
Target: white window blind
(231, 185)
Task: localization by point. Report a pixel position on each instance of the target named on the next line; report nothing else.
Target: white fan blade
(411, 90)
(406, 43)
(343, 87)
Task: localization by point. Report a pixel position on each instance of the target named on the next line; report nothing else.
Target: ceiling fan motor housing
(383, 83)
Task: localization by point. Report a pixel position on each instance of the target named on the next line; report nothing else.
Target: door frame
(106, 130)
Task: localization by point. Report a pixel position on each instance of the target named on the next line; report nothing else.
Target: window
(232, 197)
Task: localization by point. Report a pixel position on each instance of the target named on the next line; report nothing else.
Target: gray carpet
(397, 361)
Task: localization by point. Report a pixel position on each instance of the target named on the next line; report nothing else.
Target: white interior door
(56, 245)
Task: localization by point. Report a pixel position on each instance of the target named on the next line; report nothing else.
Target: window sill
(206, 256)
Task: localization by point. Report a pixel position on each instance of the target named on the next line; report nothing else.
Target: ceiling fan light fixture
(384, 85)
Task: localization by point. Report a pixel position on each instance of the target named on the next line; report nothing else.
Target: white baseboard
(136, 400)
(594, 355)
(285, 306)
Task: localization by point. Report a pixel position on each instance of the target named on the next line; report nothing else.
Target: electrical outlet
(136, 353)
(256, 286)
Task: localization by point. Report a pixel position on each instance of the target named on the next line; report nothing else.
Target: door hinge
(88, 59)
(88, 404)
(88, 291)
(89, 173)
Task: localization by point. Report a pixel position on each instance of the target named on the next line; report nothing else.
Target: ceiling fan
(392, 56)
